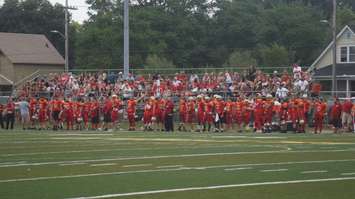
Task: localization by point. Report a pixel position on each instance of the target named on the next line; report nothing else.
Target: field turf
(176, 166)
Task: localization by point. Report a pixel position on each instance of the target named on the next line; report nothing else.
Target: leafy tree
(241, 58)
(274, 56)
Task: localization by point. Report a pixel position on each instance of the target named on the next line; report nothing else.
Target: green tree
(241, 58)
(274, 56)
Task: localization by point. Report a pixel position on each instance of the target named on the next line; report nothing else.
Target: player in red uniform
(78, 115)
(94, 113)
(33, 112)
(320, 109)
(182, 113)
(85, 113)
(190, 116)
(284, 117)
(335, 115)
(219, 111)
(131, 112)
(228, 114)
(258, 114)
(42, 113)
(209, 105)
(148, 113)
(200, 113)
(268, 113)
(301, 116)
(56, 108)
(238, 114)
(69, 114)
(117, 105)
(107, 111)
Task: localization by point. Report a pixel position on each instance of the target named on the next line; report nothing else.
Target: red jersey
(336, 111)
(182, 106)
(57, 105)
(131, 106)
(219, 107)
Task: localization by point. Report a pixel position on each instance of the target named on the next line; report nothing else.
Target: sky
(78, 15)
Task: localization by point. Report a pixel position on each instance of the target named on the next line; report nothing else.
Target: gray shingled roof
(341, 70)
(29, 49)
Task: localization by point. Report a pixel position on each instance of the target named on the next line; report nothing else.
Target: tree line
(186, 33)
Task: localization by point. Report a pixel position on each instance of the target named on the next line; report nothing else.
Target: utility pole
(334, 28)
(66, 34)
(126, 39)
(66, 37)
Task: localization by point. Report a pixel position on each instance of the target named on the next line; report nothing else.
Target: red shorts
(190, 117)
(182, 116)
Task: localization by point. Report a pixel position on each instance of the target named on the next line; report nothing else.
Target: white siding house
(345, 68)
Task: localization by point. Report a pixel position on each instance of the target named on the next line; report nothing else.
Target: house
(23, 55)
(345, 67)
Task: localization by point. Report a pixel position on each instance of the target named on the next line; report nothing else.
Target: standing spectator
(10, 114)
(169, 114)
(282, 92)
(24, 112)
(346, 118)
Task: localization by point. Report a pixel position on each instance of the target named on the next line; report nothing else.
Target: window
(347, 54)
(352, 54)
(343, 54)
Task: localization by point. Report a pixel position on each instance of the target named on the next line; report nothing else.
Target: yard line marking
(238, 169)
(216, 187)
(72, 164)
(309, 172)
(347, 174)
(102, 165)
(274, 170)
(171, 156)
(166, 170)
(137, 165)
(169, 166)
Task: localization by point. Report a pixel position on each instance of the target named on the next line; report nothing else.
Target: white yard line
(169, 166)
(170, 156)
(309, 172)
(348, 174)
(238, 169)
(167, 170)
(102, 165)
(216, 187)
(274, 170)
(72, 164)
(137, 165)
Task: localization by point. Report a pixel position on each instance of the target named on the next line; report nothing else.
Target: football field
(176, 166)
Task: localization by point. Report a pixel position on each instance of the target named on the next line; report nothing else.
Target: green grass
(73, 164)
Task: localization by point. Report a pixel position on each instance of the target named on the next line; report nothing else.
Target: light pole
(334, 29)
(126, 40)
(66, 49)
(66, 34)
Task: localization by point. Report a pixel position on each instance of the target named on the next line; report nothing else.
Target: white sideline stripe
(347, 174)
(173, 169)
(169, 166)
(102, 165)
(274, 170)
(171, 156)
(308, 172)
(216, 187)
(72, 164)
(136, 165)
(238, 169)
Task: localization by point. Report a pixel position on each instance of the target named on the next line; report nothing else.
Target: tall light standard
(334, 47)
(334, 28)
(66, 34)
(126, 39)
